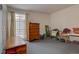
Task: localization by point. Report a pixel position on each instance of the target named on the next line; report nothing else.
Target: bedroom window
(20, 24)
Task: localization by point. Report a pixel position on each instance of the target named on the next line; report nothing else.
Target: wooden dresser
(34, 33)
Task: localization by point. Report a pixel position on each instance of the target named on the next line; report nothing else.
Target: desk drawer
(21, 49)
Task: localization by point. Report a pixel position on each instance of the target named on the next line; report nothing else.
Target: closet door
(34, 33)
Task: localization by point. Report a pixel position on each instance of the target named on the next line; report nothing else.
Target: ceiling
(46, 8)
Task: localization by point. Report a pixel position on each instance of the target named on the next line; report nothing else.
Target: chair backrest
(54, 33)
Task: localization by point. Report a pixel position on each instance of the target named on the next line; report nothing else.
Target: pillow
(66, 30)
(76, 30)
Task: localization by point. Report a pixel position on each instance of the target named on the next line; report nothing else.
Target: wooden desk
(21, 49)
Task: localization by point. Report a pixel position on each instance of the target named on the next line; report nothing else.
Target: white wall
(4, 22)
(68, 17)
(42, 18)
(1, 46)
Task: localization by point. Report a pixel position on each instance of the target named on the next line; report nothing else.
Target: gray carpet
(52, 46)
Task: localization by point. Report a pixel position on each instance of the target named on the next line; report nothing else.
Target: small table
(65, 37)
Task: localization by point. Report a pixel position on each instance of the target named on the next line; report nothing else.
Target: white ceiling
(46, 8)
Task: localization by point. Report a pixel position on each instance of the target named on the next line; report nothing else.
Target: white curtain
(27, 27)
(11, 29)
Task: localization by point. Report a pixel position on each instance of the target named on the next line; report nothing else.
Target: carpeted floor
(52, 46)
